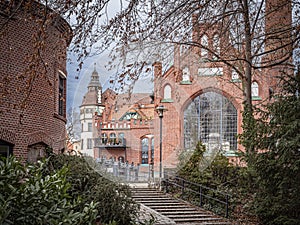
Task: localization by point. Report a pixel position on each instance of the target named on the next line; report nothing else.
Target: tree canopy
(147, 29)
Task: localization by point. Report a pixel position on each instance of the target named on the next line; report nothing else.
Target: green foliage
(28, 196)
(114, 200)
(275, 162)
(218, 173)
(222, 176)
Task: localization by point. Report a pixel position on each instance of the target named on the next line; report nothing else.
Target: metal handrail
(185, 186)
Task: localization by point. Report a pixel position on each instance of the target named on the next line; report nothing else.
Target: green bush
(114, 200)
(222, 176)
(29, 196)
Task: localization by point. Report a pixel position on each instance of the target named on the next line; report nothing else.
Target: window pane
(4, 150)
(167, 92)
(90, 127)
(210, 117)
(145, 147)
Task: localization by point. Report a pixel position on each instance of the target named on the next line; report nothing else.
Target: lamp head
(160, 110)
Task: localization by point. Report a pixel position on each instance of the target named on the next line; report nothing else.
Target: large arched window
(210, 117)
(204, 43)
(145, 148)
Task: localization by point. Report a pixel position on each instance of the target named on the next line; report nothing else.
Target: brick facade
(190, 76)
(29, 102)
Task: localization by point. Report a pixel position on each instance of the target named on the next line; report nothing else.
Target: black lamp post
(160, 110)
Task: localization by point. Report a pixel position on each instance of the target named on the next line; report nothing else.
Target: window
(254, 89)
(145, 147)
(204, 43)
(130, 115)
(186, 74)
(121, 139)
(90, 127)
(36, 152)
(112, 138)
(167, 92)
(61, 95)
(216, 45)
(81, 144)
(4, 150)
(104, 138)
(152, 150)
(89, 143)
(234, 75)
(210, 118)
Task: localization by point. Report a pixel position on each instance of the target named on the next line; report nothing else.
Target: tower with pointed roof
(91, 103)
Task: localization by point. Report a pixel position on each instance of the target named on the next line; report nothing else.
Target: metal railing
(125, 171)
(190, 190)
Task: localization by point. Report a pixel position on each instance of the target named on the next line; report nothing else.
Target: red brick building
(203, 97)
(32, 86)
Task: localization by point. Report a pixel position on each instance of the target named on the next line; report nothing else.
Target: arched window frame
(216, 45)
(208, 115)
(255, 91)
(112, 138)
(204, 42)
(121, 138)
(104, 138)
(144, 150)
(152, 150)
(186, 76)
(167, 93)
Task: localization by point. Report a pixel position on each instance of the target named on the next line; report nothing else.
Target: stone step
(149, 204)
(216, 223)
(170, 210)
(147, 194)
(196, 220)
(197, 215)
(162, 200)
(149, 190)
(150, 196)
(186, 212)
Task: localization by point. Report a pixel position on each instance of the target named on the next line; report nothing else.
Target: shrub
(114, 200)
(29, 196)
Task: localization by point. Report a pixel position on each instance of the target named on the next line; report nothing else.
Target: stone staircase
(178, 211)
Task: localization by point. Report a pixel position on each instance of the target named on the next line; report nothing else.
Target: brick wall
(29, 102)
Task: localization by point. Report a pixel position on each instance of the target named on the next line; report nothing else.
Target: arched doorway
(210, 116)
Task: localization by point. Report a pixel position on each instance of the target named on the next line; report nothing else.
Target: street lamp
(160, 110)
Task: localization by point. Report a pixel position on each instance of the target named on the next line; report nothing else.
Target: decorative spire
(94, 83)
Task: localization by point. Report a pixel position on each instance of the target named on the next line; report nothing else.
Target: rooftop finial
(94, 66)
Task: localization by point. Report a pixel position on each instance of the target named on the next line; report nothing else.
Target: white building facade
(90, 104)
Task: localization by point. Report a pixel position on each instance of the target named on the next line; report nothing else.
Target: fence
(128, 172)
(198, 194)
